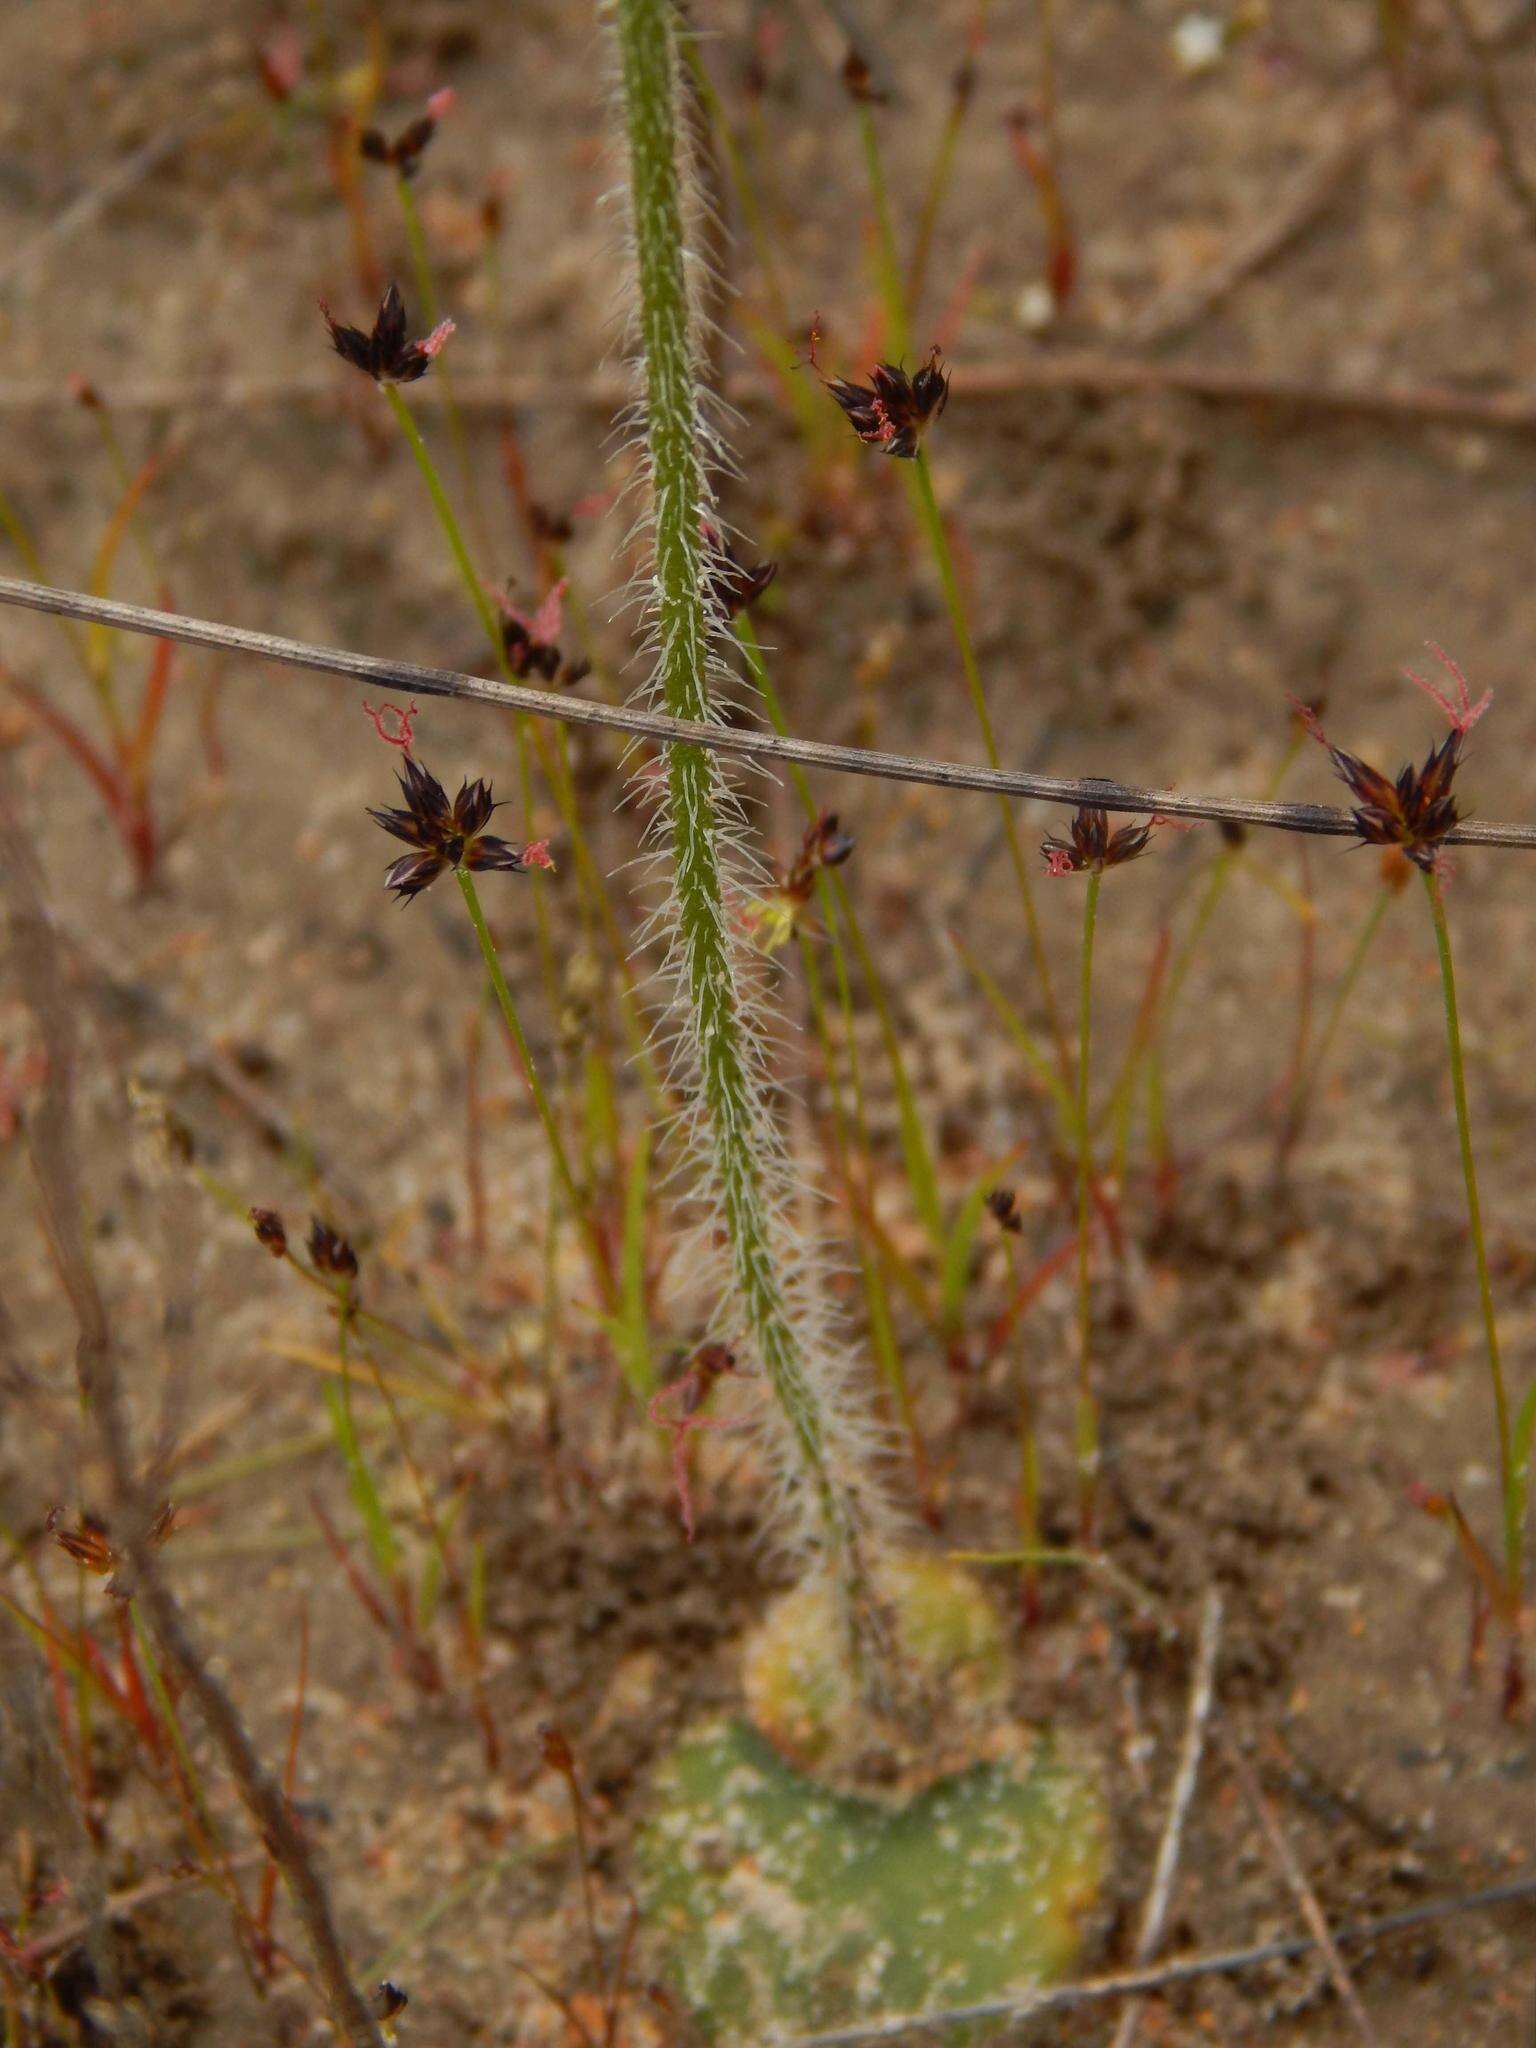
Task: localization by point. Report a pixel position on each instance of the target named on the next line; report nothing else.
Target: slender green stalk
(919, 482)
(426, 292)
(1305, 1088)
(887, 264)
(556, 768)
(770, 1308)
(1087, 1429)
(920, 488)
(938, 183)
(1030, 1541)
(498, 980)
(1509, 1476)
(917, 1154)
(1146, 1048)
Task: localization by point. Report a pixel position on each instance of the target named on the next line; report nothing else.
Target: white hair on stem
(770, 1285)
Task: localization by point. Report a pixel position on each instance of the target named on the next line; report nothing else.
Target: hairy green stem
(1509, 1477)
(739, 1146)
(1087, 1429)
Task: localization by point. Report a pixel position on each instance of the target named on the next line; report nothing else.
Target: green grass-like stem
(1509, 1478)
(1087, 1420)
(601, 1272)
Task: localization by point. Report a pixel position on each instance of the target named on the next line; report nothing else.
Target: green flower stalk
(1089, 849)
(771, 1311)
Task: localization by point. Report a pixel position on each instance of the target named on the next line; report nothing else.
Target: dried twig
(51, 1143)
(1293, 213)
(1189, 1970)
(1306, 1898)
(1511, 410)
(1202, 1692)
(1319, 820)
(1496, 116)
(81, 211)
(121, 1906)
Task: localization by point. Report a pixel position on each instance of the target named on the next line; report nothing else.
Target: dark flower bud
(557, 1749)
(329, 1251)
(1092, 847)
(446, 835)
(384, 353)
(268, 1226)
(858, 80)
(893, 411)
(1004, 1205)
(389, 2001)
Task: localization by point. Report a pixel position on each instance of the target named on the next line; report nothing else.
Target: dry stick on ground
(1496, 120)
(1202, 1692)
(82, 210)
(1318, 820)
(1296, 1878)
(51, 1142)
(1137, 1983)
(1298, 209)
(1512, 410)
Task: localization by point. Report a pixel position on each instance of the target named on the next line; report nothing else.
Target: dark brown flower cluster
(893, 410)
(734, 584)
(329, 1252)
(446, 835)
(1004, 1206)
(774, 917)
(92, 1548)
(532, 640)
(1416, 811)
(825, 845)
(1091, 846)
(270, 1231)
(404, 153)
(385, 353)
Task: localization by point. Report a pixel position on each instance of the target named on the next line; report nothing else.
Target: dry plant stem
(1325, 821)
(1496, 116)
(1509, 1477)
(1087, 1423)
(1202, 1693)
(1296, 1878)
(1511, 410)
(1167, 1977)
(739, 1150)
(52, 1146)
(592, 1243)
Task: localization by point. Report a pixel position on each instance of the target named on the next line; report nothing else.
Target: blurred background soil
(1151, 575)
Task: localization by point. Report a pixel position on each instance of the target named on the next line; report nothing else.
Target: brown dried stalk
(1318, 820)
(51, 1143)
(1187, 1970)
